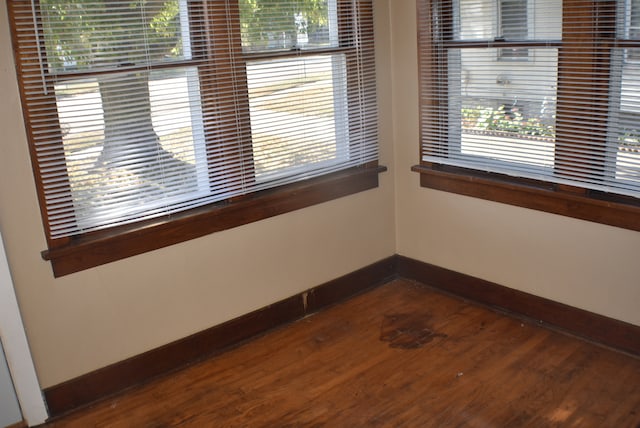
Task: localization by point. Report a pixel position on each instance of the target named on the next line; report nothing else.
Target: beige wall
(586, 265)
(87, 320)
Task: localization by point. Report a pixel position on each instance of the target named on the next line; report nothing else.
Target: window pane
(298, 114)
(133, 144)
(633, 28)
(109, 33)
(624, 135)
(513, 19)
(627, 169)
(501, 111)
(288, 24)
(634, 19)
(513, 26)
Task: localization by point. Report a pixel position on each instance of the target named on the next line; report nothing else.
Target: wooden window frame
(576, 202)
(79, 252)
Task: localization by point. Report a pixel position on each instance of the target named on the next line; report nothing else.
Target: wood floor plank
(401, 355)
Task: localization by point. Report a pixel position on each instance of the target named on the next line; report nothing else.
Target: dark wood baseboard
(104, 382)
(99, 384)
(604, 330)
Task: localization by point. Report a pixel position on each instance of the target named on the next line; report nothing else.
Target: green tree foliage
(82, 34)
(278, 23)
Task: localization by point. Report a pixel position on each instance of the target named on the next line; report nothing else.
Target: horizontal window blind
(542, 89)
(141, 109)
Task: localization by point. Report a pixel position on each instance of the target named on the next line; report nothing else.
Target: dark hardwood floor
(402, 355)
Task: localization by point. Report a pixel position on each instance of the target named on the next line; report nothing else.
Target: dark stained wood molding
(105, 247)
(104, 382)
(350, 285)
(604, 330)
(543, 197)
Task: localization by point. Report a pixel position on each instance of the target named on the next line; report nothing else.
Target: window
(632, 27)
(155, 121)
(558, 132)
(513, 26)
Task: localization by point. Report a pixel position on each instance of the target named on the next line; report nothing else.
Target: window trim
(583, 204)
(576, 202)
(101, 247)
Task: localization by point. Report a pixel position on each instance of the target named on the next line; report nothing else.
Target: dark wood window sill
(103, 247)
(578, 203)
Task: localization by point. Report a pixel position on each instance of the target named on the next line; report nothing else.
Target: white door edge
(16, 349)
